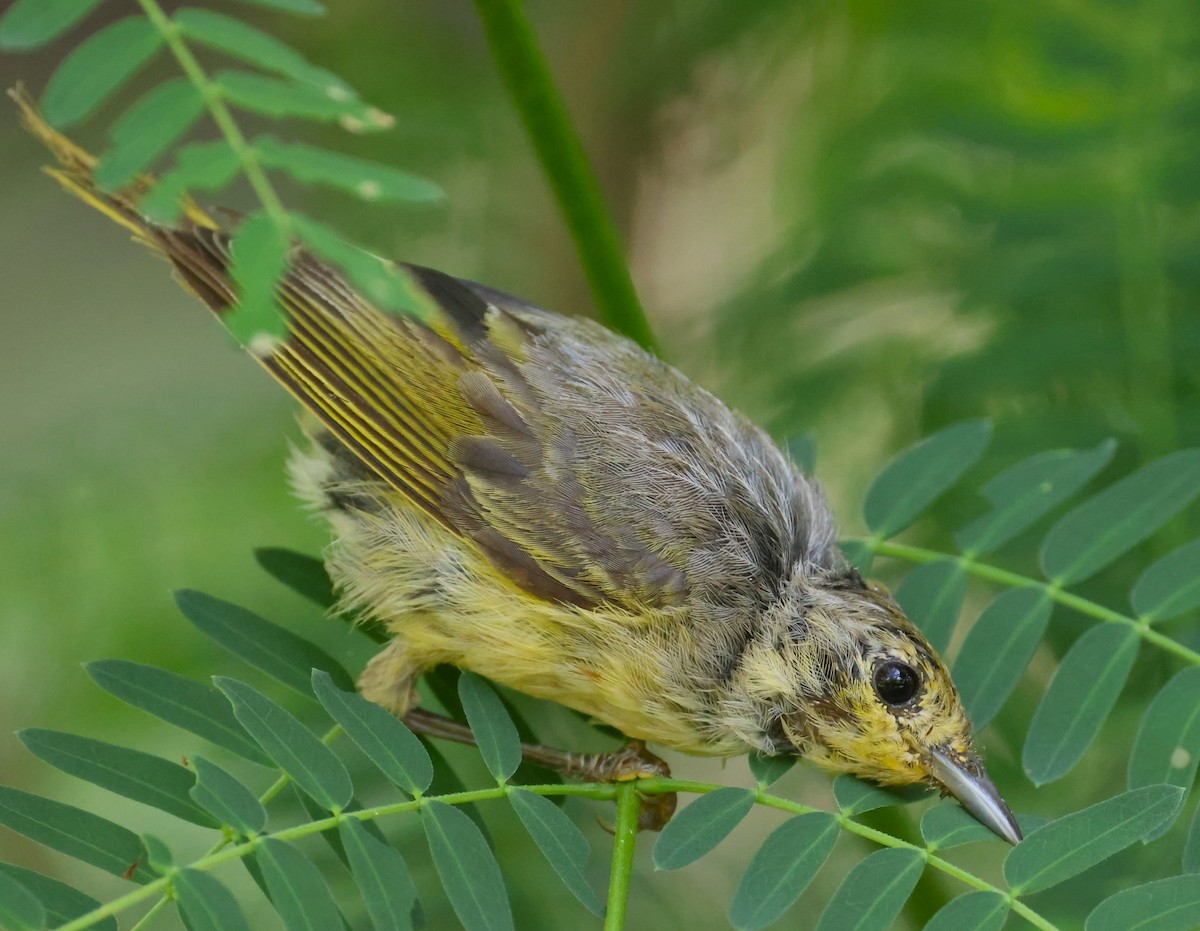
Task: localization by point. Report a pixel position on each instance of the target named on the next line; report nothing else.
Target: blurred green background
(863, 219)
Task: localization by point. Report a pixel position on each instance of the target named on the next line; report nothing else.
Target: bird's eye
(896, 683)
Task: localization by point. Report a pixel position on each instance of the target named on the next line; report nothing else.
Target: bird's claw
(630, 762)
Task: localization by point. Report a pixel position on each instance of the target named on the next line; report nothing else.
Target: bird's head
(853, 685)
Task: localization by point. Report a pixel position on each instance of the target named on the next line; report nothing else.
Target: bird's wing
(624, 481)
(587, 470)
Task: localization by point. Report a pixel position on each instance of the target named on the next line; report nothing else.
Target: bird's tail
(386, 386)
(75, 173)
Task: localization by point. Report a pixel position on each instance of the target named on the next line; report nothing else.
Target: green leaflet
(384, 283)
(921, 474)
(97, 68)
(199, 166)
(297, 751)
(1191, 847)
(495, 734)
(467, 869)
(1170, 587)
(303, 574)
(230, 802)
(382, 876)
(366, 180)
(948, 824)
(146, 130)
(260, 260)
(1167, 746)
(1164, 905)
(75, 832)
(158, 854)
(233, 37)
(700, 826)
(206, 904)
(197, 708)
(20, 909)
(1023, 493)
(767, 770)
(854, 795)
(782, 869)
(1070, 845)
(298, 890)
(561, 841)
(30, 23)
(383, 737)
(61, 902)
(932, 595)
(275, 97)
(268, 647)
(1120, 517)
(997, 650)
(803, 449)
(975, 911)
(874, 891)
(1082, 693)
(142, 777)
(299, 7)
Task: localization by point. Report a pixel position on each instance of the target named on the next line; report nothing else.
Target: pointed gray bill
(968, 782)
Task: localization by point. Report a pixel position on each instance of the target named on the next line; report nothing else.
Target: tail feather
(74, 173)
(386, 387)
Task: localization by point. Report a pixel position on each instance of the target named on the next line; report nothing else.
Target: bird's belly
(447, 603)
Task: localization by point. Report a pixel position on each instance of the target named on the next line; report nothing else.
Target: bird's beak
(965, 778)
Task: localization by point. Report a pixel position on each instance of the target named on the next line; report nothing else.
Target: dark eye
(896, 683)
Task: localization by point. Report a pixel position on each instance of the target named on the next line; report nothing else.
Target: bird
(537, 499)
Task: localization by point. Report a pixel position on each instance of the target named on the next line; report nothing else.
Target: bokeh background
(862, 219)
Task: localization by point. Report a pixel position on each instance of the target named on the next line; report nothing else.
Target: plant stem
(525, 72)
(1052, 589)
(213, 99)
(629, 806)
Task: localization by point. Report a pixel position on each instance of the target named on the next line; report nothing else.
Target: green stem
(628, 809)
(214, 100)
(272, 790)
(1052, 589)
(151, 914)
(629, 806)
(527, 76)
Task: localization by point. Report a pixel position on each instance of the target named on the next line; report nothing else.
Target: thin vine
(626, 797)
(215, 102)
(1052, 589)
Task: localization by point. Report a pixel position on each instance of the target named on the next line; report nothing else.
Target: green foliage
(149, 128)
(1070, 845)
(872, 894)
(782, 869)
(206, 904)
(701, 826)
(560, 840)
(253, 726)
(1084, 690)
(934, 593)
(921, 475)
(268, 647)
(467, 868)
(382, 877)
(381, 736)
(1025, 619)
(998, 649)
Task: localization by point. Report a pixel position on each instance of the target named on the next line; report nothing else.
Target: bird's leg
(632, 761)
(390, 678)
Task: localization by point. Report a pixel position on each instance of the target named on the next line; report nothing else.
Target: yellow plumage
(537, 499)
